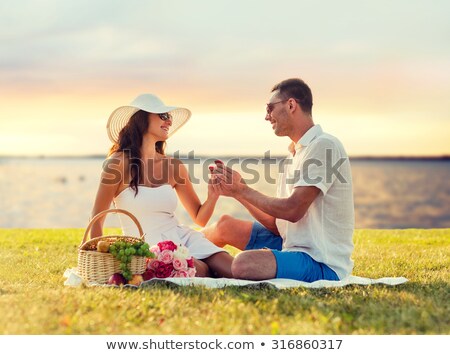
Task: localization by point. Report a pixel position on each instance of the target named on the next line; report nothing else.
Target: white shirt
(326, 230)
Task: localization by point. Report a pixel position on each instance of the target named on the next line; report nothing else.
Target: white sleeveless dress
(154, 208)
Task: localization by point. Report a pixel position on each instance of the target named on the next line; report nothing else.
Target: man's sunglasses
(165, 116)
(271, 106)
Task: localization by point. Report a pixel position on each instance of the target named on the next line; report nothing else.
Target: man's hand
(230, 181)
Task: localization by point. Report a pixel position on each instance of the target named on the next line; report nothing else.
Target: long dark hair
(130, 143)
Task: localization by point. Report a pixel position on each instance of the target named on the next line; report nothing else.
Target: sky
(379, 72)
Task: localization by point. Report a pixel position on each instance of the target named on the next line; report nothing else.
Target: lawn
(33, 299)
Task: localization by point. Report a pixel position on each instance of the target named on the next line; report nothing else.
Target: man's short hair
(298, 90)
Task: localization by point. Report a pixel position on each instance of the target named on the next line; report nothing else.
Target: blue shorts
(294, 265)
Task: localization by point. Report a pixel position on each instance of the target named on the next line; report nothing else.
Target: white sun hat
(149, 103)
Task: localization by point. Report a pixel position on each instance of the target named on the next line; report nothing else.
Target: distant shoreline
(227, 157)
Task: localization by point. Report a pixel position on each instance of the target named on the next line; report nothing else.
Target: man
(305, 233)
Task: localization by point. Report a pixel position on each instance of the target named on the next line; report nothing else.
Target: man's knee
(224, 223)
(229, 231)
(217, 232)
(254, 265)
(242, 267)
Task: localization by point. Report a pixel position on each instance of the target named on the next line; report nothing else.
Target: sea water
(59, 193)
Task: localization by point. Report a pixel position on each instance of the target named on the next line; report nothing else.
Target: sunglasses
(271, 106)
(165, 116)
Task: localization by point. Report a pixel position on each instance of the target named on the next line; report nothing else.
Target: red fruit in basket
(148, 274)
(117, 279)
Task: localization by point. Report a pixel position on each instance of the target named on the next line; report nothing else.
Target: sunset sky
(379, 72)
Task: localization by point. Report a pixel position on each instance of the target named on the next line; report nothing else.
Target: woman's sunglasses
(165, 116)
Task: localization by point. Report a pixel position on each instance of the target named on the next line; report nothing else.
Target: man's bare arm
(291, 208)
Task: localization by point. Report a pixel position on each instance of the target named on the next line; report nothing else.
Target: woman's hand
(213, 185)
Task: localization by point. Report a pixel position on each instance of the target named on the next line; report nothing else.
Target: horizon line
(230, 156)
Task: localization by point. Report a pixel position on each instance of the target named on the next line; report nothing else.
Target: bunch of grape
(124, 252)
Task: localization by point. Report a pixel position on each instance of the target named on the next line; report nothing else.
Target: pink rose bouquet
(170, 260)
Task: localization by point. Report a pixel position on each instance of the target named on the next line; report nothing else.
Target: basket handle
(112, 210)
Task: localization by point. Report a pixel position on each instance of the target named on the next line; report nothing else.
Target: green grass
(33, 299)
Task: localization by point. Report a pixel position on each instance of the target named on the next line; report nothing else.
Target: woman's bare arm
(200, 213)
(110, 181)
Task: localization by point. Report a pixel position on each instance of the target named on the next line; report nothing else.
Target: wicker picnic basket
(97, 267)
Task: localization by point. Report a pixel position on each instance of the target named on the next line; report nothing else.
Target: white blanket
(74, 280)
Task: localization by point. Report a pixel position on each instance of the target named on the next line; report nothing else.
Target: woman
(137, 176)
